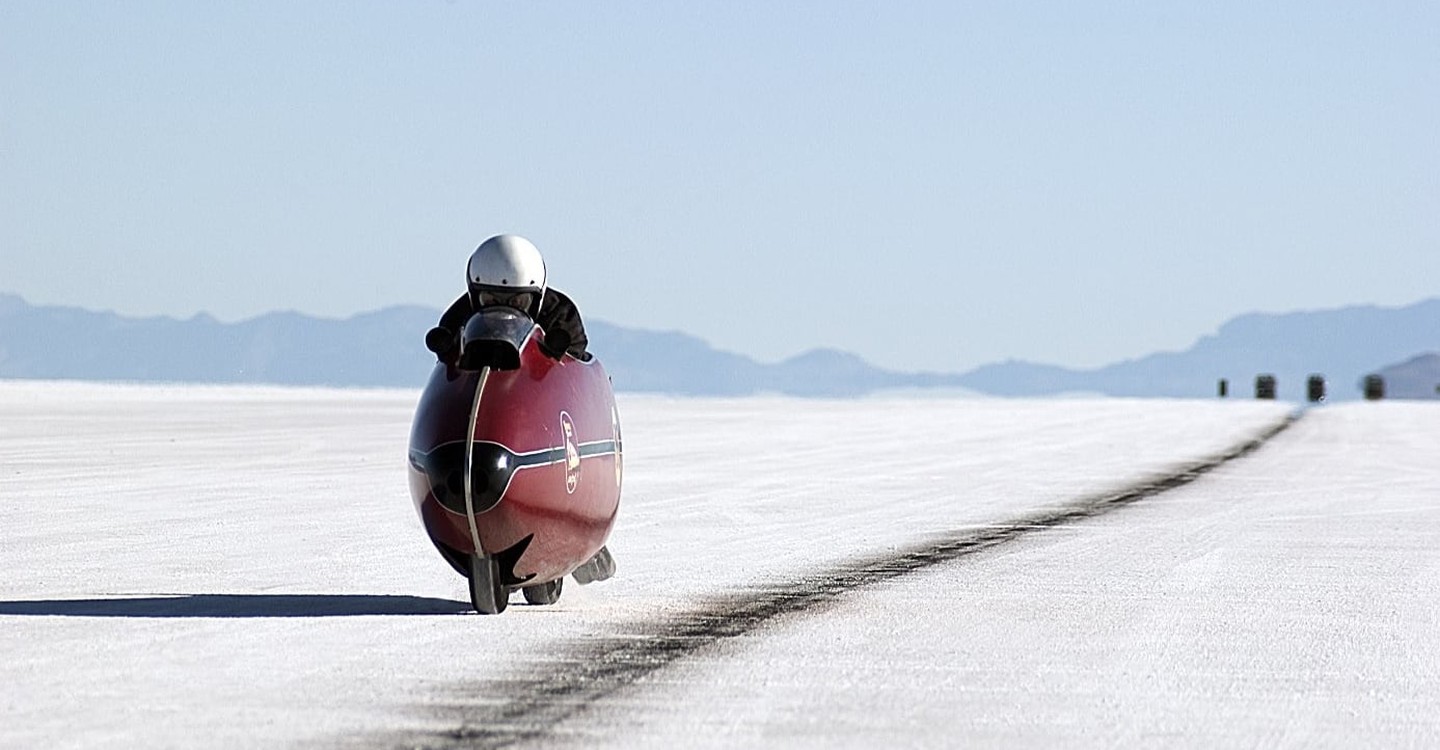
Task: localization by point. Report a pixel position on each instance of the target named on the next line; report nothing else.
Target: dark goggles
(520, 299)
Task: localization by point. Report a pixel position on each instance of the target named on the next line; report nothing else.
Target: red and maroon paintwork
(568, 505)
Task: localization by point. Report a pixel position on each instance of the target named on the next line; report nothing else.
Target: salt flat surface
(243, 566)
(1291, 598)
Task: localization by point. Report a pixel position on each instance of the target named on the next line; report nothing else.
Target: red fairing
(553, 427)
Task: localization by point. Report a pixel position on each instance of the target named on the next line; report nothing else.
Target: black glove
(441, 340)
(554, 343)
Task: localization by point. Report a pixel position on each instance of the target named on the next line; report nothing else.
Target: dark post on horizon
(1315, 389)
(1374, 387)
(1265, 387)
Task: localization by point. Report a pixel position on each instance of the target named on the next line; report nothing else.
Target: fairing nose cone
(492, 467)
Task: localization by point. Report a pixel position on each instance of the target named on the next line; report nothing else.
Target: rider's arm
(561, 319)
(444, 338)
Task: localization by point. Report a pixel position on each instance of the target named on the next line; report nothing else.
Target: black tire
(488, 594)
(544, 593)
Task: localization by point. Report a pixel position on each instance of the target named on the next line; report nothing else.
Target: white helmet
(507, 270)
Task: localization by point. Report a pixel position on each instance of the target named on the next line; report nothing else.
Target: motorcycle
(515, 462)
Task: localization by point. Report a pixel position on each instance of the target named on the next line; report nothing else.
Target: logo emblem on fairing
(572, 453)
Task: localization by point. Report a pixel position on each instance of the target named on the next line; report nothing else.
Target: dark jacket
(557, 313)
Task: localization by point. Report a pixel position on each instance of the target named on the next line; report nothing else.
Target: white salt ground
(308, 607)
(1289, 599)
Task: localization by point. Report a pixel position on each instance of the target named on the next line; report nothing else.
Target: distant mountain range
(1343, 345)
(1417, 378)
(385, 348)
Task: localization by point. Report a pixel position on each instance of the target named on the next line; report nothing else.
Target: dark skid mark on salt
(510, 713)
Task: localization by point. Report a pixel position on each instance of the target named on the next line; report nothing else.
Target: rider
(507, 270)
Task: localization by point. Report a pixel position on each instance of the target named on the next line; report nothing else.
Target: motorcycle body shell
(545, 469)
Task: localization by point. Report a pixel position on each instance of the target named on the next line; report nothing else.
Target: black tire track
(508, 713)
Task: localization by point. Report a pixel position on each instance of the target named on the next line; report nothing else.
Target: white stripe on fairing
(561, 460)
(519, 469)
(518, 454)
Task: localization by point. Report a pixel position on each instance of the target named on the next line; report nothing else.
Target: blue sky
(929, 185)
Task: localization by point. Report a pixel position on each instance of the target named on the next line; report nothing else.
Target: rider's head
(507, 270)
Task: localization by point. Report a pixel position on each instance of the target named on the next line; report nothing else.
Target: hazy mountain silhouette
(1342, 344)
(1417, 377)
(385, 348)
(382, 348)
(379, 348)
